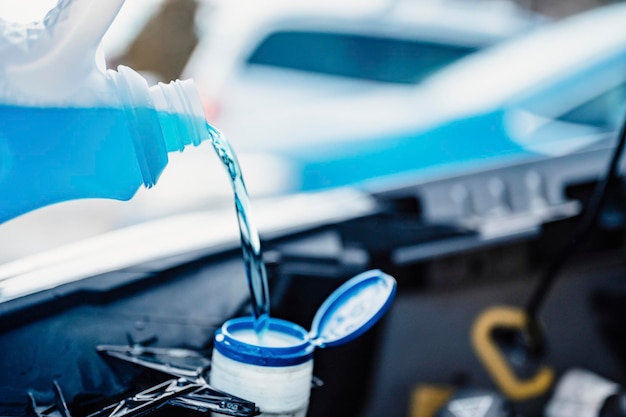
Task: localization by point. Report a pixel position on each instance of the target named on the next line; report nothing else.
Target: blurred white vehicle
(558, 90)
(256, 60)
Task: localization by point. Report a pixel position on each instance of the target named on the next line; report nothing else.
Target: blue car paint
(474, 140)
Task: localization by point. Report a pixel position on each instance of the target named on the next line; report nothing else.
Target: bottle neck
(161, 119)
(181, 114)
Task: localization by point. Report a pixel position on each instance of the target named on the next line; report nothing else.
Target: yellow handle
(496, 364)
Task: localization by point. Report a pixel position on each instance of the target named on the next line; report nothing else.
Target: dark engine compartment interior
(456, 246)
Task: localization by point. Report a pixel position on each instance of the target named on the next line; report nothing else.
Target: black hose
(584, 229)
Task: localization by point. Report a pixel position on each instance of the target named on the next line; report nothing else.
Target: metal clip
(180, 393)
(180, 363)
(190, 368)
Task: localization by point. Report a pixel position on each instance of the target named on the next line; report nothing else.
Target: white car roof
(238, 26)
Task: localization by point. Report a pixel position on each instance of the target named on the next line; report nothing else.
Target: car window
(605, 110)
(389, 60)
(596, 97)
(571, 116)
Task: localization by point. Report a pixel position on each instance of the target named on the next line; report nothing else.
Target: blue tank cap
(350, 311)
(353, 308)
(237, 340)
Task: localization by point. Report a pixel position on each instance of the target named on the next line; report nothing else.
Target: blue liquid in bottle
(49, 155)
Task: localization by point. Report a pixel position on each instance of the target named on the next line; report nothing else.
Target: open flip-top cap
(353, 308)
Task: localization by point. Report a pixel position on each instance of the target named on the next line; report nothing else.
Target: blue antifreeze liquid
(49, 155)
(250, 242)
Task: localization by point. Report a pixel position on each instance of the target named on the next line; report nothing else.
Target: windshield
(363, 57)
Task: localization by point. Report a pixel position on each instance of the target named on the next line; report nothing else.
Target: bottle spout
(181, 114)
(47, 59)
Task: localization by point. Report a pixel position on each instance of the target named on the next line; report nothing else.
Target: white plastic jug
(71, 129)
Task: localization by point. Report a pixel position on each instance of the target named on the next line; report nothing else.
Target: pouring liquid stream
(250, 242)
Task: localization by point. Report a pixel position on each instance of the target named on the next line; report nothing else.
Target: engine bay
(457, 246)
